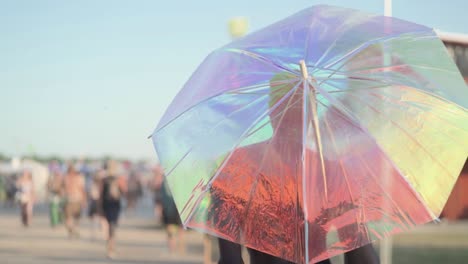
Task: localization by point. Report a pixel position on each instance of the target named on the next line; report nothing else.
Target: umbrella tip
(305, 74)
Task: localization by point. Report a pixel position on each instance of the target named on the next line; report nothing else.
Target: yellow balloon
(238, 26)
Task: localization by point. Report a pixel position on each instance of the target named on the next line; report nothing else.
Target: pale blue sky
(94, 77)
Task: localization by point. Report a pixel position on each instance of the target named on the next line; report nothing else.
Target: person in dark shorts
(171, 221)
(156, 184)
(112, 191)
(95, 214)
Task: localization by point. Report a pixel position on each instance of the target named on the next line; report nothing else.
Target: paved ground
(140, 241)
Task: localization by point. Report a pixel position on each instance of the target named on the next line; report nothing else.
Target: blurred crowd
(97, 190)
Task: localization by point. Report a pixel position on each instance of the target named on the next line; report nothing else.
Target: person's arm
(63, 186)
(122, 184)
(84, 201)
(33, 193)
(100, 187)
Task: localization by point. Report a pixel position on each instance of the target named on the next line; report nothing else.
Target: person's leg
(362, 255)
(326, 261)
(94, 226)
(54, 213)
(76, 219)
(159, 212)
(111, 241)
(257, 257)
(229, 252)
(171, 231)
(104, 227)
(24, 216)
(112, 216)
(181, 239)
(29, 213)
(69, 219)
(77, 224)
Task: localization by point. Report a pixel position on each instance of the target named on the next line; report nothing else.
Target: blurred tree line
(49, 158)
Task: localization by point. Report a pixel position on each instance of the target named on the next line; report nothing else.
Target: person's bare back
(74, 187)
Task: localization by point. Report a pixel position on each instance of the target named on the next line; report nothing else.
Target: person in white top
(25, 196)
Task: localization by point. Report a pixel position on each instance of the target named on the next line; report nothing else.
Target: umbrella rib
(403, 214)
(344, 171)
(394, 83)
(335, 147)
(414, 139)
(386, 68)
(393, 165)
(383, 190)
(269, 84)
(360, 89)
(352, 53)
(254, 123)
(328, 69)
(307, 46)
(241, 138)
(214, 126)
(344, 110)
(447, 122)
(241, 89)
(193, 209)
(364, 77)
(254, 185)
(179, 161)
(318, 138)
(345, 73)
(397, 126)
(337, 71)
(305, 124)
(330, 47)
(260, 58)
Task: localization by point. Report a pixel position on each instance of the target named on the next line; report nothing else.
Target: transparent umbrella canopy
(318, 134)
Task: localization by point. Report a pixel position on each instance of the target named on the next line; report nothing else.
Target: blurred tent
(40, 174)
(6, 169)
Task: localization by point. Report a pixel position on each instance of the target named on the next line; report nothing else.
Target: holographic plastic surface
(367, 145)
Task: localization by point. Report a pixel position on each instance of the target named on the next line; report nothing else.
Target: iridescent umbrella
(316, 135)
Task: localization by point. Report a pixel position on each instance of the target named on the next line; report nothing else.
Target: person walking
(95, 212)
(171, 221)
(112, 190)
(75, 199)
(25, 196)
(135, 191)
(54, 188)
(156, 185)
